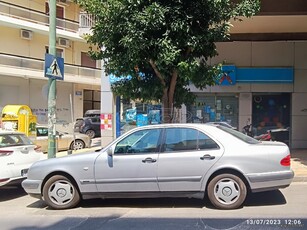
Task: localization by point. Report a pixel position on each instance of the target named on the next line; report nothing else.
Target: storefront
(216, 107)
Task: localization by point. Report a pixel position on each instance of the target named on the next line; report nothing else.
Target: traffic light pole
(52, 83)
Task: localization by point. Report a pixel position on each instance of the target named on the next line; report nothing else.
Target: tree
(162, 46)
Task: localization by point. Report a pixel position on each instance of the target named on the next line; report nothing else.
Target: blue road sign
(54, 67)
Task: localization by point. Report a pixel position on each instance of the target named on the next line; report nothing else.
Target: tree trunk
(168, 93)
(168, 99)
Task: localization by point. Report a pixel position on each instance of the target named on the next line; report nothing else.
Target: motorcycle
(248, 130)
(264, 137)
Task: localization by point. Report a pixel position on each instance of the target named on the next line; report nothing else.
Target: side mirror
(110, 151)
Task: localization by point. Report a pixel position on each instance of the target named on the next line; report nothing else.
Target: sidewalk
(298, 161)
(299, 164)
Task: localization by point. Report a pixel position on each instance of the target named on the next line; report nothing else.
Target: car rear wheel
(77, 144)
(90, 133)
(60, 193)
(227, 191)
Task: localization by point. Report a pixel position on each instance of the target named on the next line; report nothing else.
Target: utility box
(19, 118)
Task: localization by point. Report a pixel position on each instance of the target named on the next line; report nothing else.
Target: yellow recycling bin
(19, 118)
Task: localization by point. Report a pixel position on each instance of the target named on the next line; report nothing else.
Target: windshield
(239, 135)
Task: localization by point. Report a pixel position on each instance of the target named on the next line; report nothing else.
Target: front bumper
(32, 187)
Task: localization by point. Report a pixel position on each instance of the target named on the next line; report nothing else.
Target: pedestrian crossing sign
(54, 67)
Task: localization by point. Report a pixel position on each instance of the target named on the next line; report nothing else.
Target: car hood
(65, 164)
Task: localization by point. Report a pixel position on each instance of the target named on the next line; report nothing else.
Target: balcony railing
(86, 20)
(30, 15)
(38, 65)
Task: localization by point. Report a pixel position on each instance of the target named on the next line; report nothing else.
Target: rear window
(239, 135)
(8, 140)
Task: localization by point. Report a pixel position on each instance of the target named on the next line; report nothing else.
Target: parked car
(91, 126)
(187, 160)
(88, 113)
(64, 141)
(17, 154)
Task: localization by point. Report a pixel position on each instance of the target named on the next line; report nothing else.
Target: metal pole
(73, 123)
(52, 83)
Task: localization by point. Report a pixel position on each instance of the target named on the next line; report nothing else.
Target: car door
(63, 141)
(133, 166)
(96, 125)
(186, 157)
(42, 138)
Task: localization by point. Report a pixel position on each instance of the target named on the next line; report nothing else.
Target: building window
(59, 10)
(59, 52)
(87, 61)
(91, 100)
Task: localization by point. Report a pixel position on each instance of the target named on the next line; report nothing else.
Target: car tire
(77, 144)
(227, 191)
(91, 133)
(61, 193)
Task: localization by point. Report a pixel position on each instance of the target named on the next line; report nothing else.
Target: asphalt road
(281, 209)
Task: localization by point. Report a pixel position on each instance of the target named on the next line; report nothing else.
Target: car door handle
(149, 160)
(207, 157)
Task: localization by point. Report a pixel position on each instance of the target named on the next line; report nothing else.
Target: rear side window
(239, 135)
(41, 132)
(187, 139)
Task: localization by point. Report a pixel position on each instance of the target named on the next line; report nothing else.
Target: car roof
(179, 125)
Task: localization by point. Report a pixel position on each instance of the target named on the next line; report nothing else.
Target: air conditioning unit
(26, 34)
(64, 42)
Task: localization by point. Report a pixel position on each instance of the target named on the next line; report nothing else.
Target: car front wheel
(227, 191)
(77, 144)
(60, 193)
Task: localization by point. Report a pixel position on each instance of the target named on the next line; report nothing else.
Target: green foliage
(159, 38)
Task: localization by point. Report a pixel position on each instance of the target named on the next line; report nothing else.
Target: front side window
(187, 139)
(142, 141)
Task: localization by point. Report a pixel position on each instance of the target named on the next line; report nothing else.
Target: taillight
(4, 153)
(38, 149)
(286, 161)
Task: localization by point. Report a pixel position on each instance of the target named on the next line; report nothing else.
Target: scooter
(264, 137)
(247, 130)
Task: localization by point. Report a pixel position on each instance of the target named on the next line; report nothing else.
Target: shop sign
(228, 76)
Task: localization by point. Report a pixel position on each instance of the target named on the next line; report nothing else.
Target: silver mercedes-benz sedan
(168, 160)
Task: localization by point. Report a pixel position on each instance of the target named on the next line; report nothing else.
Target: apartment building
(264, 80)
(265, 77)
(24, 40)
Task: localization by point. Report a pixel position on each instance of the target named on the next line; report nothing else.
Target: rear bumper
(270, 181)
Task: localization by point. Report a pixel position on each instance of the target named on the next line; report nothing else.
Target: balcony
(19, 66)
(22, 17)
(86, 22)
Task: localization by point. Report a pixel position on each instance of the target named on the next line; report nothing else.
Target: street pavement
(298, 159)
(299, 164)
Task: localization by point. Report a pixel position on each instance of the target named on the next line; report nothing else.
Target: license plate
(24, 172)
